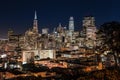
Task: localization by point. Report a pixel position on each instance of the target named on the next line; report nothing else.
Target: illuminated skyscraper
(10, 32)
(32, 35)
(89, 30)
(89, 27)
(71, 24)
(35, 23)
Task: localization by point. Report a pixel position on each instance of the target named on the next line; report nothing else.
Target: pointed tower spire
(35, 17)
(35, 23)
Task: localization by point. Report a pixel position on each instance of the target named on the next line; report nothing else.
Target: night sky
(19, 14)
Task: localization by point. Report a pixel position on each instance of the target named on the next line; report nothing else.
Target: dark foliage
(32, 68)
(106, 74)
(109, 34)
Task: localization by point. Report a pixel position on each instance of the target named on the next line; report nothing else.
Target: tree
(109, 34)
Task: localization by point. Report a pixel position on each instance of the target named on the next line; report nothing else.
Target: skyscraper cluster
(60, 39)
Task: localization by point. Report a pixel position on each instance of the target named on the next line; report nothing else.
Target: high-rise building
(35, 23)
(31, 35)
(89, 30)
(89, 27)
(88, 21)
(71, 24)
(71, 28)
(10, 32)
(59, 28)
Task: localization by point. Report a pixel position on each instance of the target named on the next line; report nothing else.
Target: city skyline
(19, 15)
(60, 40)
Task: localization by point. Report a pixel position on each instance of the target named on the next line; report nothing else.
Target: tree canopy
(110, 35)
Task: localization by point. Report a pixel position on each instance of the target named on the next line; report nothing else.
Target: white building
(31, 55)
(71, 24)
(47, 54)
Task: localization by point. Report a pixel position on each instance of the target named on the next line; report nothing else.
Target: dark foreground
(105, 74)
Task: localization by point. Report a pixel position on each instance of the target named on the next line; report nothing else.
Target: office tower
(10, 32)
(89, 27)
(71, 24)
(89, 30)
